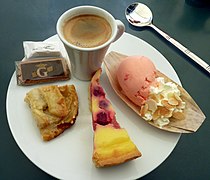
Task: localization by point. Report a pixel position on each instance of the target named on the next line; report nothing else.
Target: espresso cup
(86, 37)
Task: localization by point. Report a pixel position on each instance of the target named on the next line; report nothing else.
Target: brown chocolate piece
(37, 71)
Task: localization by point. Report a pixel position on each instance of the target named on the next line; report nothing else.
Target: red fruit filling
(103, 104)
(98, 91)
(102, 118)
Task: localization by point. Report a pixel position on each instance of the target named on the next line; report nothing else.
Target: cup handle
(120, 29)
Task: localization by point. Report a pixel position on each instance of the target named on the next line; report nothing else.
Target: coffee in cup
(87, 30)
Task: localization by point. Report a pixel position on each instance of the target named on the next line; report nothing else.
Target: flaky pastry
(54, 108)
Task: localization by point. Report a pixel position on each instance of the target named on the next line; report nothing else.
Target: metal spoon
(140, 15)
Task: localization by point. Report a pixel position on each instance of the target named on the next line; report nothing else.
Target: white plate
(69, 156)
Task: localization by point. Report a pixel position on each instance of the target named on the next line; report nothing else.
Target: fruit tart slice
(112, 144)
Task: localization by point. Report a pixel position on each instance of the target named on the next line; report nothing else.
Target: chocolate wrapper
(30, 72)
(37, 50)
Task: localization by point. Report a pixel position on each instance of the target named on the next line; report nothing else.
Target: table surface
(190, 25)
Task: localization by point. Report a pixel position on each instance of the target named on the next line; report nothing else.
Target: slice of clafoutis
(193, 116)
(112, 144)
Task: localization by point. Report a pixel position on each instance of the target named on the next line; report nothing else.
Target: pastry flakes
(54, 108)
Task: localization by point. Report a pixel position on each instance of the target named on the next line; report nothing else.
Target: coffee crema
(87, 31)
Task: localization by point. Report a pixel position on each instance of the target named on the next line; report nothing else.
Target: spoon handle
(186, 51)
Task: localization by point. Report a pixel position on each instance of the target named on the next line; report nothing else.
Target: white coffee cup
(86, 61)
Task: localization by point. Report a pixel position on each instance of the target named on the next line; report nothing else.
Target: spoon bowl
(140, 15)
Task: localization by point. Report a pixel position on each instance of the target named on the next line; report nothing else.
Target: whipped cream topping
(164, 102)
